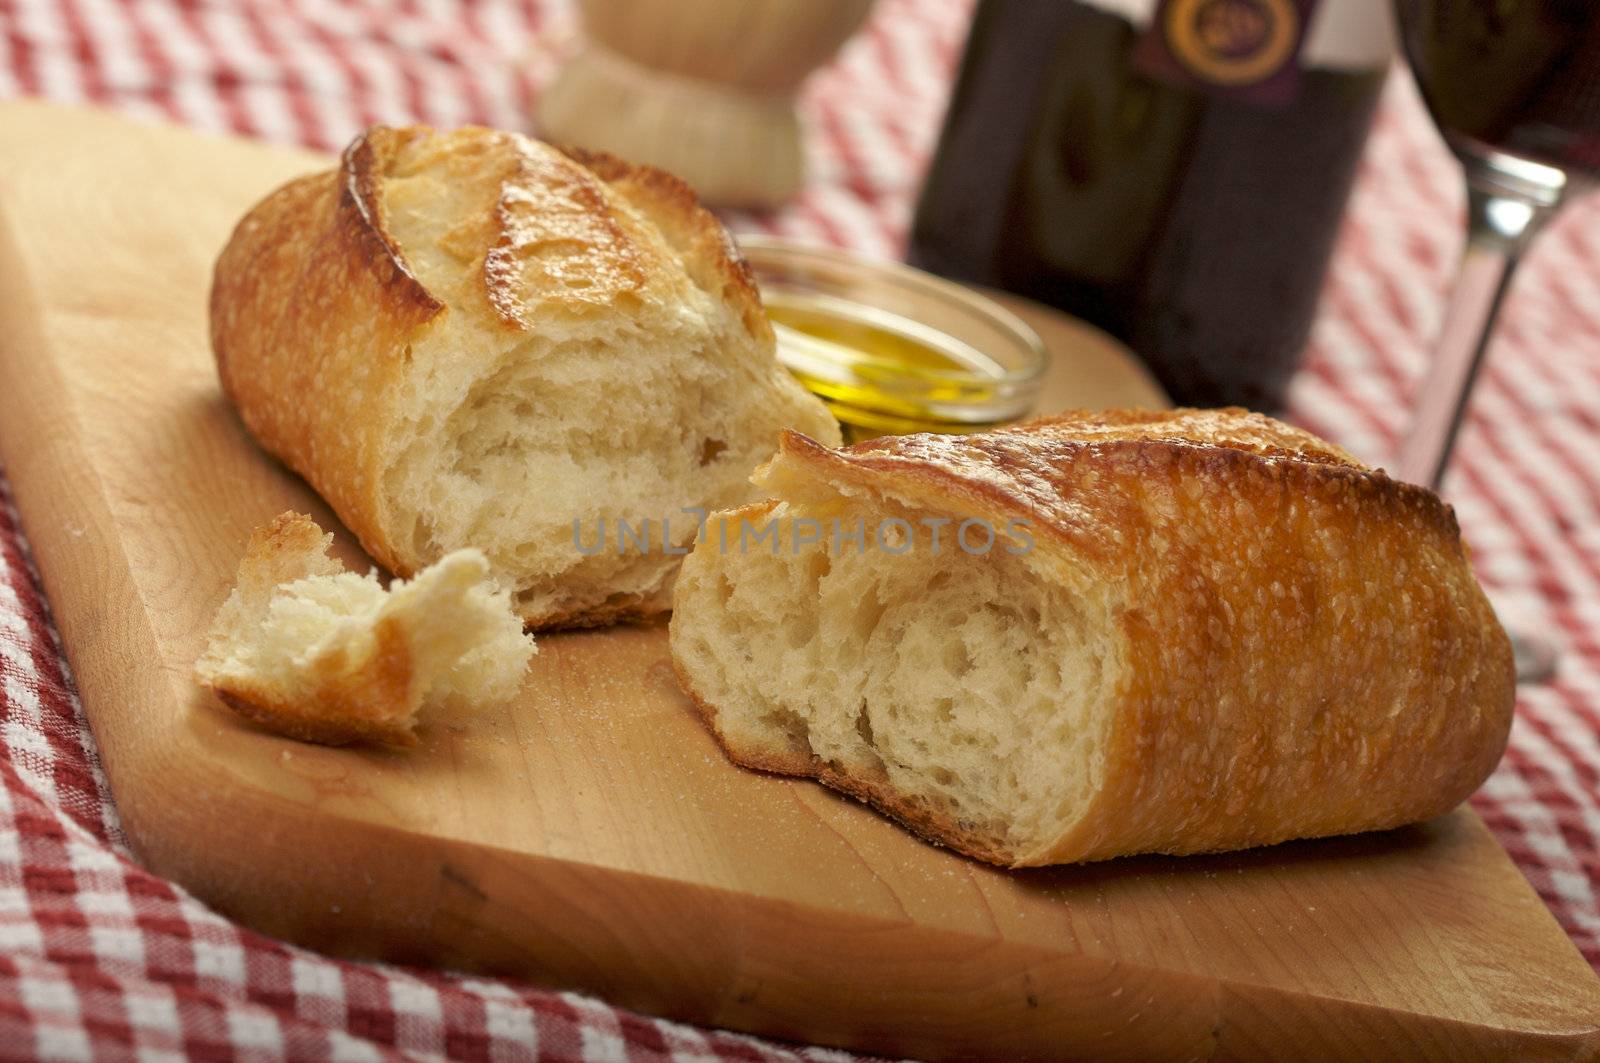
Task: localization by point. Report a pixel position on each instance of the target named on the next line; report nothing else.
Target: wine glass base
(1536, 657)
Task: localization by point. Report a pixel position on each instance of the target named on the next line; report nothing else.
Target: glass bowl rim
(1036, 361)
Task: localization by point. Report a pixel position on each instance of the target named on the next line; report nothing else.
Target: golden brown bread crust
(1306, 649)
(676, 208)
(343, 706)
(313, 274)
(315, 307)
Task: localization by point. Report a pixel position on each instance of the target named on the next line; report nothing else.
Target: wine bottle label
(1220, 45)
(1245, 49)
(1344, 35)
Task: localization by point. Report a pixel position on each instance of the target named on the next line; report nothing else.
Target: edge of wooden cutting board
(661, 945)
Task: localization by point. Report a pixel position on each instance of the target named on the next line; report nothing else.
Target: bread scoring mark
(558, 229)
(362, 168)
(690, 227)
(1229, 426)
(1059, 472)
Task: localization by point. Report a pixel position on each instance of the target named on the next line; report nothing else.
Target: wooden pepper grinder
(702, 88)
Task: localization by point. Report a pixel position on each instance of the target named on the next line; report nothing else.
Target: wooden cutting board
(591, 835)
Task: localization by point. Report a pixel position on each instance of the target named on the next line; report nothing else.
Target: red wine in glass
(1520, 77)
(1514, 86)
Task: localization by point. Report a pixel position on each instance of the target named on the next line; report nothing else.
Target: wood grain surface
(591, 834)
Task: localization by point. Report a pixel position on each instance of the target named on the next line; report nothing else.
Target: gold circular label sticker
(1233, 42)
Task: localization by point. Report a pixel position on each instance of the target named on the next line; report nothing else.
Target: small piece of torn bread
(310, 650)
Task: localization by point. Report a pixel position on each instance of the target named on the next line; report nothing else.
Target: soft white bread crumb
(965, 689)
(324, 655)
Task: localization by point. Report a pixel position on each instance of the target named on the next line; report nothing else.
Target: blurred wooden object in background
(702, 88)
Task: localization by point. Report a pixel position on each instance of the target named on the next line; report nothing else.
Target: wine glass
(1514, 87)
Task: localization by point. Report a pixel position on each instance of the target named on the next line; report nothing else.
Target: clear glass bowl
(892, 349)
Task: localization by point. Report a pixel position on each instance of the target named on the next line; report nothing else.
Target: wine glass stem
(1500, 224)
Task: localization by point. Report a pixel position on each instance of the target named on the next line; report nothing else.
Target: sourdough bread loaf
(471, 339)
(1190, 631)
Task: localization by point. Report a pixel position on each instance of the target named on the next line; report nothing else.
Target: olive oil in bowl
(892, 350)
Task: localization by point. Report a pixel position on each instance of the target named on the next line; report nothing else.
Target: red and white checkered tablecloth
(99, 957)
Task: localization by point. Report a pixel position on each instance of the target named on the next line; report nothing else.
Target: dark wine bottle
(1173, 171)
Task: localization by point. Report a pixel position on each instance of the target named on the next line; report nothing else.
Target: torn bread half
(473, 339)
(1162, 632)
(310, 650)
